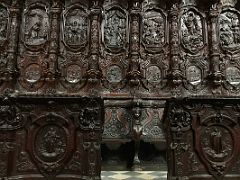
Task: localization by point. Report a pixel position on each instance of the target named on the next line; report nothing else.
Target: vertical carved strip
(134, 74)
(55, 13)
(174, 48)
(214, 51)
(93, 69)
(14, 34)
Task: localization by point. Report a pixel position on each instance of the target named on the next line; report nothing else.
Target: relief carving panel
(36, 26)
(192, 31)
(154, 29)
(115, 29)
(75, 28)
(229, 30)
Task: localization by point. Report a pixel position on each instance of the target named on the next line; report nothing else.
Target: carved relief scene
(192, 31)
(36, 27)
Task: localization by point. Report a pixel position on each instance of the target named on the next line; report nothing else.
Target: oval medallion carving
(153, 74)
(192, 35)
(194, 75)
(50, 143)
(153, 30)
(73, 74)
(75, 28)
(33, 73)
(115, 29)
(114, 74)
(36, 27)
(3, 24)
(217, 143)
(229, 30)
(233, 75)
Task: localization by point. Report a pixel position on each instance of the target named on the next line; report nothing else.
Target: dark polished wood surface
(134, 54)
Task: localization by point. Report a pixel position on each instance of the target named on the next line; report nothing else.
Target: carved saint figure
(153, 30)
(36, 27)
(194, 75)
(115, 29)
(75, 33)
(192, 32)
(229, 30)
(3, 23)
(52, 143)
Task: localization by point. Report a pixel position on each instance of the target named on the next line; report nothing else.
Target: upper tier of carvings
(149, 48)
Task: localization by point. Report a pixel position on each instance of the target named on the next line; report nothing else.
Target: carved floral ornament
(35, 26)
(75, 27)
(4, 21)
(114, 29)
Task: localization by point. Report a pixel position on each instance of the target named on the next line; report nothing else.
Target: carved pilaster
(214, 51)
(93, 72)
(176, 75)
(55, 14)
(134, 73)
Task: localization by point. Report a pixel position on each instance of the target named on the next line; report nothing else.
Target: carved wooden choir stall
(64, 62)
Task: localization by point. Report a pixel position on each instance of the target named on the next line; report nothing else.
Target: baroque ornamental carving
(73, 73)
(194, 75)
(36, 26)
(4, 19)
(51, 139)
(154, 30)
(233, 75)
(229, 30)
(114, 74)
(75, 27)
(216, 143)
(115, 24)
(153, 74)
(192, 31)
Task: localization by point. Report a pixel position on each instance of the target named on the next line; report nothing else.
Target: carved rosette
(115, 29)
(75, 27)
(35, 32)
(154, 26)
(50, 143)
(4, 24)
(215, 139)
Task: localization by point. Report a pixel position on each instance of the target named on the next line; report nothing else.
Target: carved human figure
(192, 32)
(114, 74)
(36, 27)
(153, 29)
(115, 29)
(229, 30)
(75, 33)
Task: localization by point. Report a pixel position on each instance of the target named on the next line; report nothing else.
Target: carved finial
(189, 2)
(228, 2)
